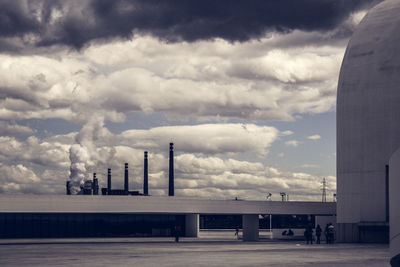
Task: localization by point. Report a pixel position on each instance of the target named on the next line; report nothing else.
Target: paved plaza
(189, 252)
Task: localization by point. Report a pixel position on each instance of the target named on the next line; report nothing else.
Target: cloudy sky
(245, 89)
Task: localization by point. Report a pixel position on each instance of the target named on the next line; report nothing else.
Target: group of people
(308, 233)
(329, 234)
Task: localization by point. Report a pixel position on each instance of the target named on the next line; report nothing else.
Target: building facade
(368, 125)
(140, 216)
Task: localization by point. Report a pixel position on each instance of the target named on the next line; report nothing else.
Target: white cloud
(15, 177)
(286, 133)
(274, 78)
(251, 80)
(205, 138)
(308, 166)
(18, 173)
(355, 18)
(314, 137)
(33, 150)
(208, 176)
(293, 143)
(7, 128)
(20, 178)
(216, 178)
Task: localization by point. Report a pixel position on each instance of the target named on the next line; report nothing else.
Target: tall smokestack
(95, 185)
(126, 180)
(171, 170)
(145, 176)
(109, 182)
(68, 189)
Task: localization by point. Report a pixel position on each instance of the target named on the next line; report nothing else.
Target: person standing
(310, 234)
(306, 236)
(326, 234)
(177, 231)
(237, 232)
(331, 233)
(318, 232)
(290, 232)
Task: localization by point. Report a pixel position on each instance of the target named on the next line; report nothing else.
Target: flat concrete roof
(155, 205)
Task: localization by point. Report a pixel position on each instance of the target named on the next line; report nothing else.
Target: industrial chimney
(145, 176)
(126, 180)
(109, 181)
(68, 188)
(171, 170)
(95, 185)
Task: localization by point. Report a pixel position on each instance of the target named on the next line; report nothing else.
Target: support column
(192, 225)
(250, 227)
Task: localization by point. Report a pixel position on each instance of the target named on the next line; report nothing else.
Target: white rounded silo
(368, 124)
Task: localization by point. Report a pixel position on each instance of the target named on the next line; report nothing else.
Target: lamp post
(283, 194)
(269, 198)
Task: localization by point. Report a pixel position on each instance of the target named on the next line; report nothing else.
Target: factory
(91, 187)
(121, 212)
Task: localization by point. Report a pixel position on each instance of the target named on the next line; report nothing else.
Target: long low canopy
(155, 205)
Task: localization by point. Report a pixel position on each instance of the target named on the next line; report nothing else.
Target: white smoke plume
(85, 154)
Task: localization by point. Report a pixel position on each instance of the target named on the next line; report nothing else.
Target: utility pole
(323, 190)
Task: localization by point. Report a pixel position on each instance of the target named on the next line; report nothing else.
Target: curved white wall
(368, 122)
(394, 200)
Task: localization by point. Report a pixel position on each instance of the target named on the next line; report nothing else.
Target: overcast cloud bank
(196, 174)
(212, 62)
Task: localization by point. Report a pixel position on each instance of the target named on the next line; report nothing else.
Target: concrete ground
(189, 252)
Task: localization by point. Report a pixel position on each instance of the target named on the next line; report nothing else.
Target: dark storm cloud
(14, 20)
(76, 23)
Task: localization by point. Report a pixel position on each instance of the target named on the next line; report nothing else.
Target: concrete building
(394, 200)
(78, 216)
(368, 125)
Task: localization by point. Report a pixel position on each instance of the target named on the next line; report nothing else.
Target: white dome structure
(394, 174)
(368, 125)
